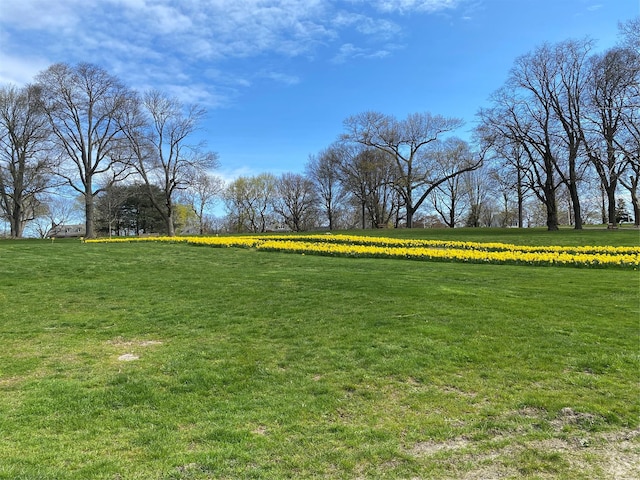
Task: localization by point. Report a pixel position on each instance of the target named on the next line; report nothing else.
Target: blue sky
(278, 77)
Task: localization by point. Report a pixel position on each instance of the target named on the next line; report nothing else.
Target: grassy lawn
(167, 361)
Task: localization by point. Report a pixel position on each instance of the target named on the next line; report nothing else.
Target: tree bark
(89, 212)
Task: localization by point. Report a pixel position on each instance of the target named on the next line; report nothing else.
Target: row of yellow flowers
(398, 242)
(381, 247)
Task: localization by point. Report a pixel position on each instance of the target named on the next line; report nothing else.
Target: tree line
(558, 144)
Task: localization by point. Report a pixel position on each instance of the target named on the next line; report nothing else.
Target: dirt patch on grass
(568, 416)
(121, 342)
(573, 449)
(128, 357)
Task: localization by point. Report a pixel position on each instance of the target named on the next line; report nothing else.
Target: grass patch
(267, 365)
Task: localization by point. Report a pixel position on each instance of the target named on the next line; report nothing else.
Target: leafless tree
(202, 192)
(25, 166)
(630, 32)
(84, 104)
(160, 140)
(368, 174)
(406, 142)
(551, 80)
(609, 109)
(324, 171)
(449, 197)
(508, 170)
(56, 209)
(296, 201)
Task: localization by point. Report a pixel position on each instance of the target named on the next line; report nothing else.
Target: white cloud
(282, 78)
(20, 70)
(348, 51)
(366, 25)
(408, 6)
(41, 14)
(167, 43)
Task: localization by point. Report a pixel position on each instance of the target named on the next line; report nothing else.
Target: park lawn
(272, 365)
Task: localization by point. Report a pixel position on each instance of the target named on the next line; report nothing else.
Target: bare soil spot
(121, 342)
(614, 456)
(568, 416)
(128, 357)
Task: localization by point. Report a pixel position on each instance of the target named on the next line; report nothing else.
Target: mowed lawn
(169, 361)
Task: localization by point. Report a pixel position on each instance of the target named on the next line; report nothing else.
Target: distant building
(67, 231)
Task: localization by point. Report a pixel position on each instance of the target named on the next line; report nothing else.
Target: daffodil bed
(430, 250)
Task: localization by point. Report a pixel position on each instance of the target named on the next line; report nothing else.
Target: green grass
(267, 365)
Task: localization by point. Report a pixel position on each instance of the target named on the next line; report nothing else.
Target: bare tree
(630, 32)
(548, 83)
(25, 167)
(55, 210)
(449, 197)
(369, 175)
(630, 144)
(609, 111)
(509, 172)
(159, 138)
(203, 191)
(406, 142)
(84, 104)
(296, 201)
(324, 171)
(566, 91)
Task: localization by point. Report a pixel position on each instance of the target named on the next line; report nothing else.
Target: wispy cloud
(348, 52)
(167, 42)
(282, 78)
(412, 6)
(366, 25)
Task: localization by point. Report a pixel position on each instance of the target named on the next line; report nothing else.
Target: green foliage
(128, 210)
(265, 365)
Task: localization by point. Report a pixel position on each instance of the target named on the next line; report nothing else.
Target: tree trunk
(15, 221)
(330, 217)
(575, 203)
(520, 200)
(611, 205)
(88, 212)
(636, 208)
(603, 207)
(552, 207)
(169, 221)
(410, 212)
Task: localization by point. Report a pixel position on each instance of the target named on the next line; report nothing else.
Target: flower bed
(432, 250)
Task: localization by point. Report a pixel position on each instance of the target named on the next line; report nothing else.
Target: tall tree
(630, 33)
(550, 81)
(610, 106)
(25, 167)
(296, 201)
(324, 171)
(448, 198)
(369, 175)
(407, 141)
(630, 144)
(160, 136)
(523, 126)
(84, 105)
